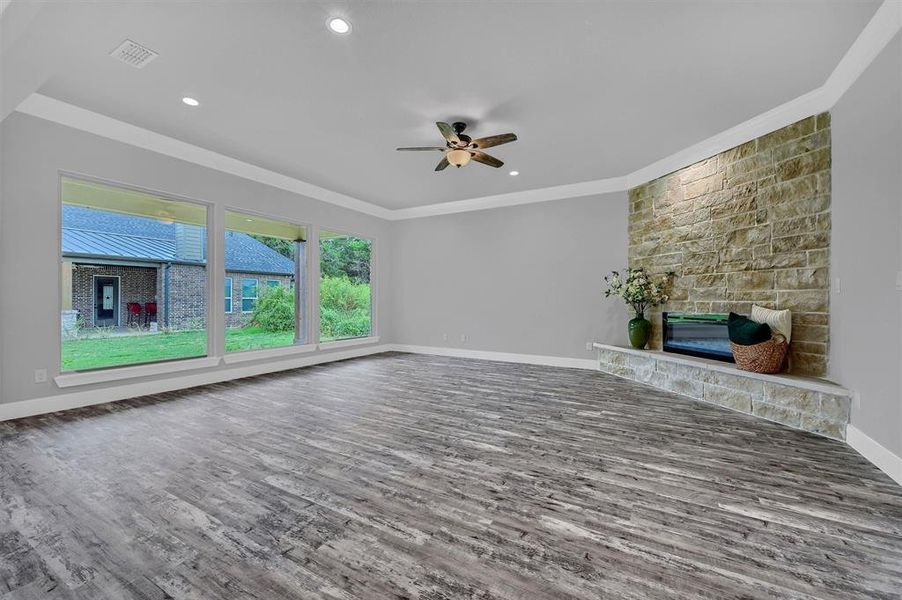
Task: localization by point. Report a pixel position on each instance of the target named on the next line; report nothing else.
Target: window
(228, 294)
(248, 294)
(269, 259)
(345, 295)
(134, 277)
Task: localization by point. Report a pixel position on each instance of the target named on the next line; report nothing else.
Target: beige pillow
(780, 321)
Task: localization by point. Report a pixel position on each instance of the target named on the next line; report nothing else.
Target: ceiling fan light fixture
(339, 25)
(460, 149)
(458, 157)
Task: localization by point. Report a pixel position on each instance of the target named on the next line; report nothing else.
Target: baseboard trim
(859, 441)
(49, 404)
(875, 452)
(526, 359)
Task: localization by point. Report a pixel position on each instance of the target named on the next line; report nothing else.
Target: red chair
(150, 312)
(134, 313)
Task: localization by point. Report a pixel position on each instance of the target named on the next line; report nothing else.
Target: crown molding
(883, 26)
(806, 105)
(50, 109)
(879, 31)
(558, 192)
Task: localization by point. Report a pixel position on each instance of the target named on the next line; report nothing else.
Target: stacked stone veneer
(750, 225)
(778, 399)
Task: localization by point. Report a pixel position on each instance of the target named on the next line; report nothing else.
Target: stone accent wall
(750, 225)
(778, 399)
(136, 284)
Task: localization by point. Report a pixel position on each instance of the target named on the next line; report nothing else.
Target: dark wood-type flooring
(400, 476)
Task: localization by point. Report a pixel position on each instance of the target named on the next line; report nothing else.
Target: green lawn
(254, 338)
(98, 352)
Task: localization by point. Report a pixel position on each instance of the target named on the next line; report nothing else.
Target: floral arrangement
(639, 289)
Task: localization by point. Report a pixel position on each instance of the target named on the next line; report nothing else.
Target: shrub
(344, 308)
(274, 310)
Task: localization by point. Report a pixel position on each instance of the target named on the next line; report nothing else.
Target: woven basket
(766, 357)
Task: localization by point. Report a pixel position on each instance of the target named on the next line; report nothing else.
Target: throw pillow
(780, 321)
(745, 332)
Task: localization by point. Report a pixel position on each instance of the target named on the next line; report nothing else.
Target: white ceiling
(593, 89)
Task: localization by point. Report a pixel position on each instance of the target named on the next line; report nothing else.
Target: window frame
(374, 289)
(231, 295)
(210, 357)
(307, 282)
(304, 332)
(255, 297)
(271, 283)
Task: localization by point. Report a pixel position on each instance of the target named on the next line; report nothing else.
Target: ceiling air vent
(134, 54)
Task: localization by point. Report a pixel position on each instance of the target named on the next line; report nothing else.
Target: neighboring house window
(248, 294)
(345, 293)
(136, 271)
(256, 246)
(228, 294)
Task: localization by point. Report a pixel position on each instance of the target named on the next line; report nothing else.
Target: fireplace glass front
(703, 335)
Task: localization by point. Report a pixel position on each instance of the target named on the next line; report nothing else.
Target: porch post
(300, 292)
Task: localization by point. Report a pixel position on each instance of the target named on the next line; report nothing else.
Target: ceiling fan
(459, 149)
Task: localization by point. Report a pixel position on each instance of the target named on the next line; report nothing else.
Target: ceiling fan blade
(494, 140)
(423, 148)
(448, 132)
(486, 159)
(442, 164)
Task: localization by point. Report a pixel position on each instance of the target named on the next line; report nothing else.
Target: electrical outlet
(837, 285)
(464, 337)
(589, 346)
(40, 375)
(899, 280)
(444, 337)
(856, 399)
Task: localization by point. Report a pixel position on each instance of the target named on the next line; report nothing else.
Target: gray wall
(525, 279)
(33, 152)
(866, 314)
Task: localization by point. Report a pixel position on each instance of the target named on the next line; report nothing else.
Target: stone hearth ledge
(806, 403)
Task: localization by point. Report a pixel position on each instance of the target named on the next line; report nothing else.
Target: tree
(282, 246)
(346, 257)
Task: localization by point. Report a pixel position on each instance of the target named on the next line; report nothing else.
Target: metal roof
(101, 234)
(113, 245)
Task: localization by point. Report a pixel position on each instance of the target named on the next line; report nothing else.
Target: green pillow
(745, 332)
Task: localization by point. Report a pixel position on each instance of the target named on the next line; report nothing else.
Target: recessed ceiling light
(339, 25)
(514, 173)
(190, 101)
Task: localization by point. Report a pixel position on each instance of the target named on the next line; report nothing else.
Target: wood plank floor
(400, 476)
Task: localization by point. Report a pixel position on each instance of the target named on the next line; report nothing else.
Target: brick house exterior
(138, 284)
(152, 262)
(236, 317)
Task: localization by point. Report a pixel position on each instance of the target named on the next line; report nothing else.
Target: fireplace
(703, 335)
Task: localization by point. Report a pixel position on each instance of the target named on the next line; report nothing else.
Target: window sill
(66, 380)
(249, 355)
(361, 341)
